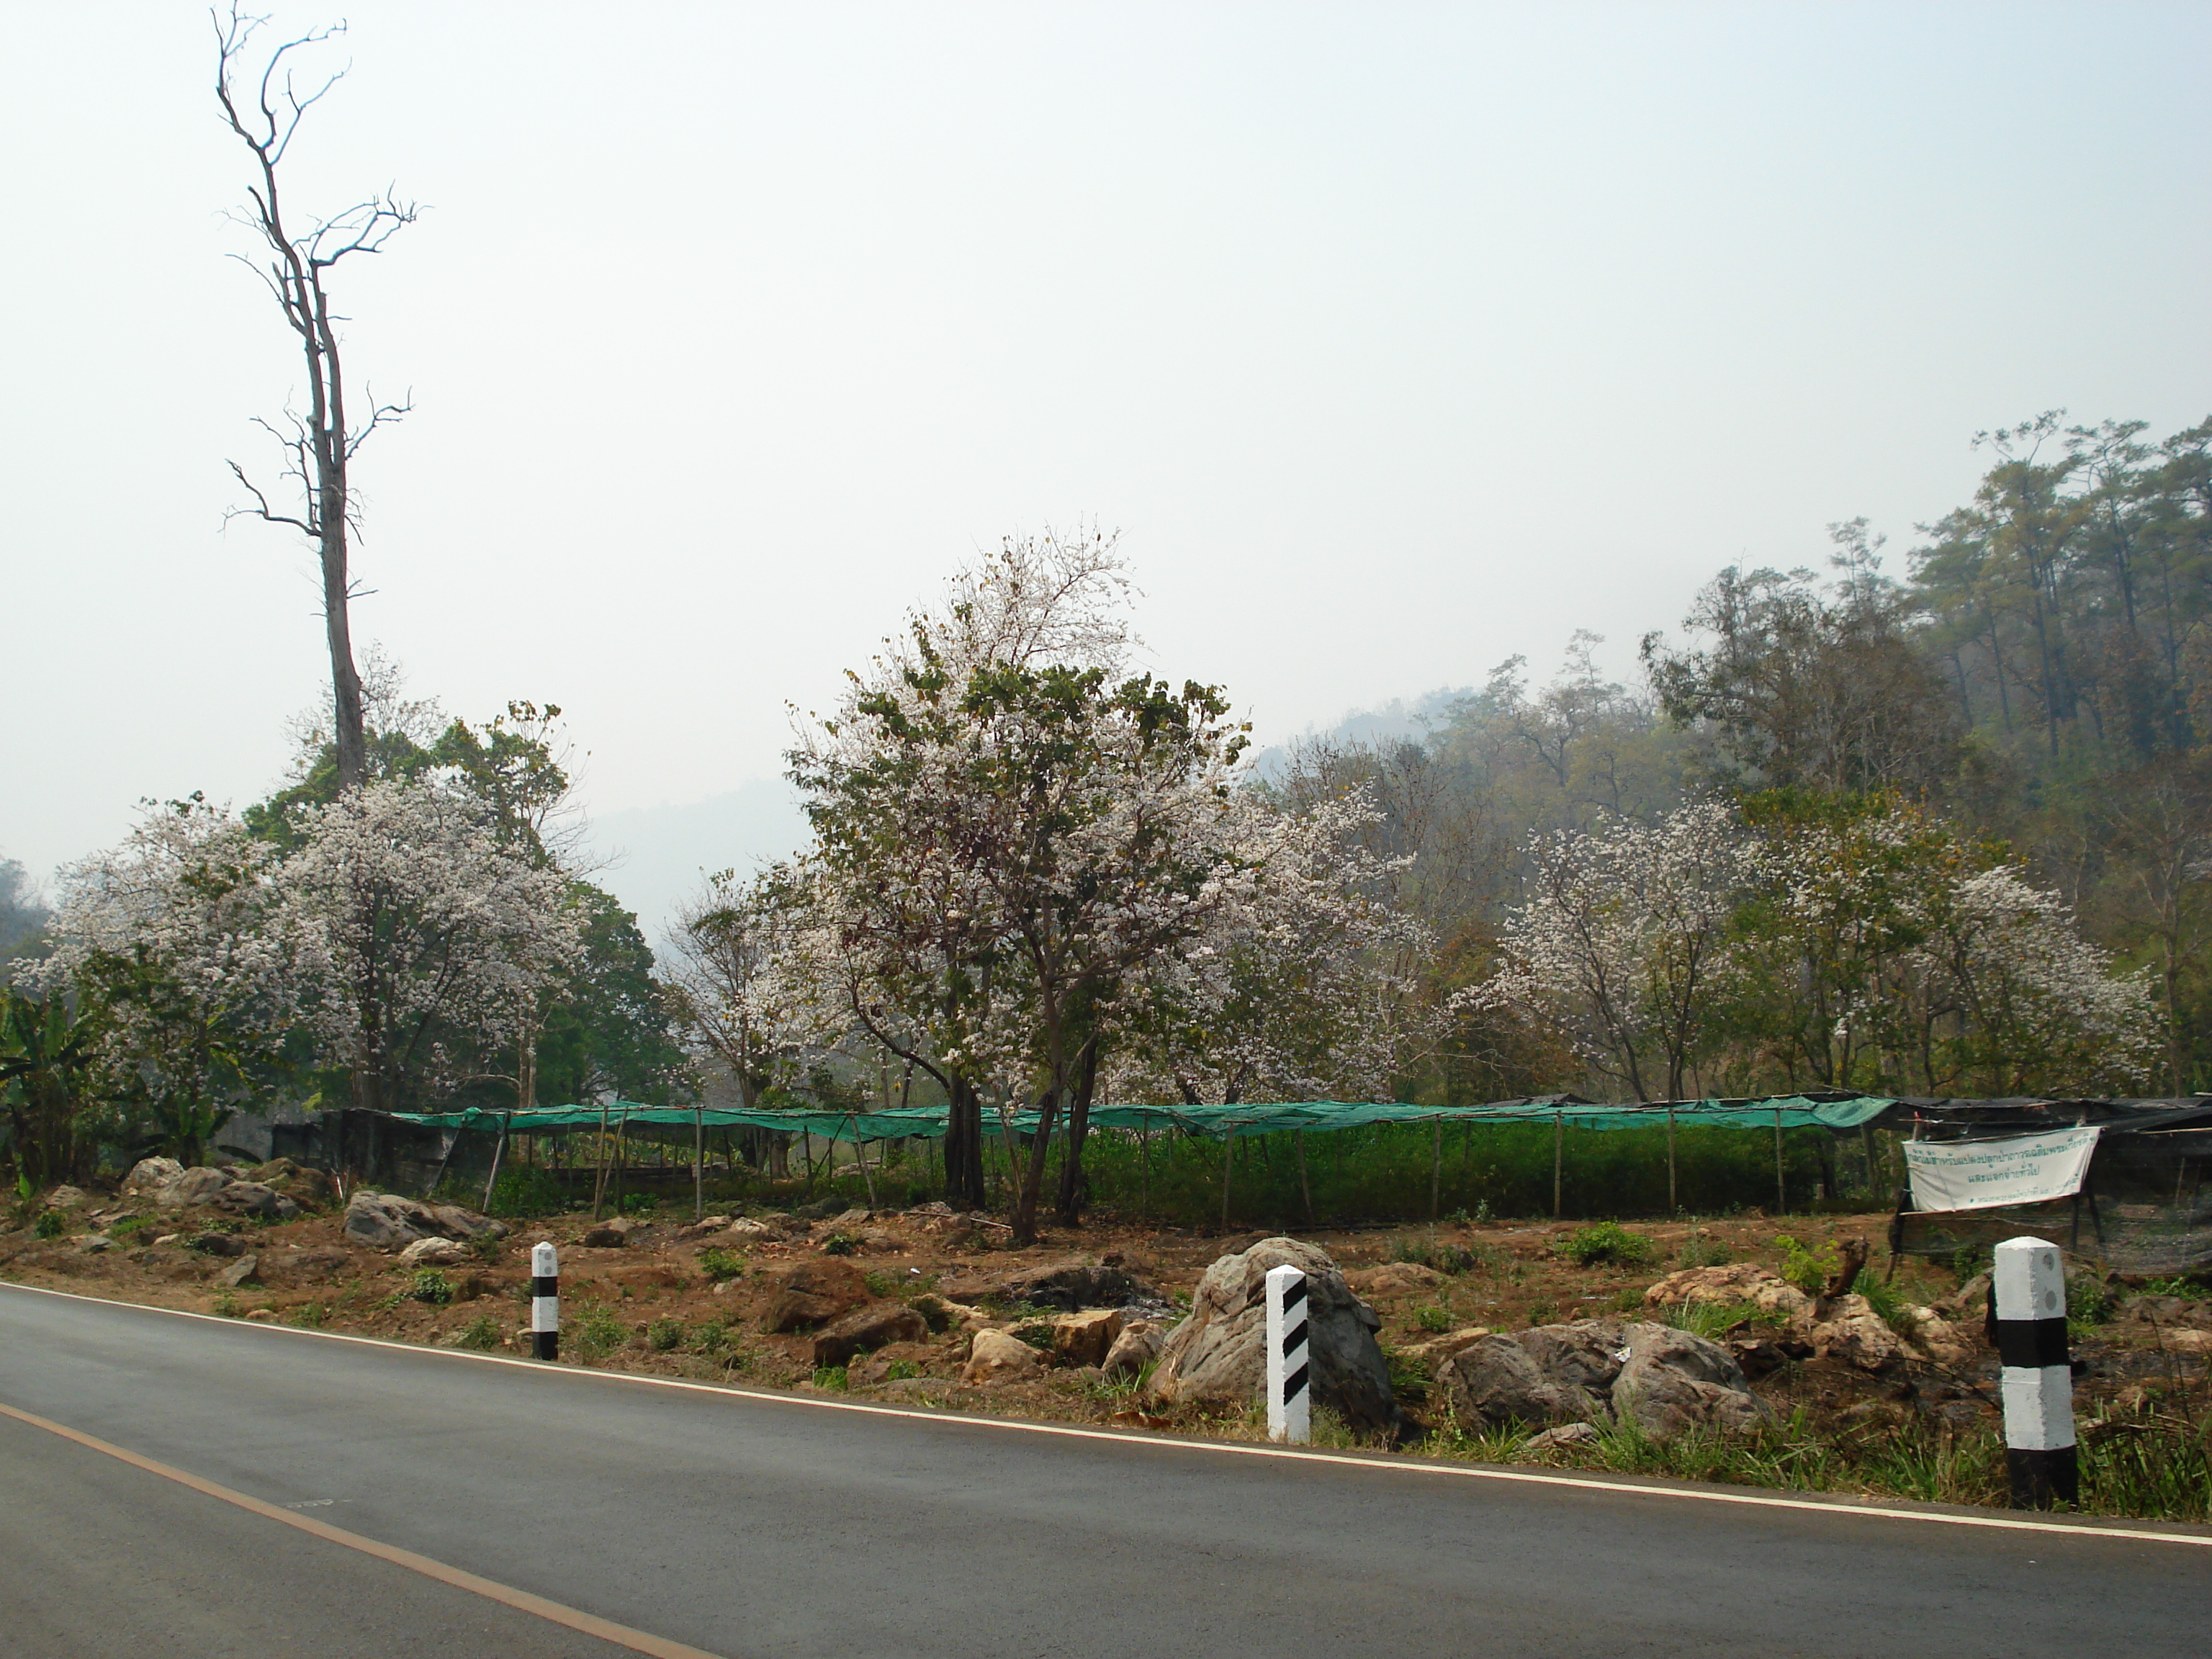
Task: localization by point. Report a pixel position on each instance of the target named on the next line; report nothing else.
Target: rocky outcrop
(815, 1292)
(1664, 1380)
(385, 1221)
(1393, 1278)
(1066, 1286)
(172, 1187)
(1745, 1282)
(434, 1253)
(875, 1325)
(1219, 1354)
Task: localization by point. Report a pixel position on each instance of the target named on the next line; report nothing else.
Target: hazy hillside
(661, 851)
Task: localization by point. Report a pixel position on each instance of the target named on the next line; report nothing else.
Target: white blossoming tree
(168, 935)
(1626, 945)
(415, 924)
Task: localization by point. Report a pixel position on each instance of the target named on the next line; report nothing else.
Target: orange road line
(606, 1629)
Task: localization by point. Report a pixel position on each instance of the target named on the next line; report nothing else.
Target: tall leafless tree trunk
(265, 112)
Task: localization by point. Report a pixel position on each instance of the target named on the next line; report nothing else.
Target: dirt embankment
(703, 1302)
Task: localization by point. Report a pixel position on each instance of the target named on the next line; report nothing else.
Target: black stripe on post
(1295, 1384)
(545, 1345)
(545, 1286)
(2032, 1343)
(1294, 1297)
(1293, 1339)
(2041, 1478)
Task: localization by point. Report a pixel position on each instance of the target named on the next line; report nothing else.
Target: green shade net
(1213, 1122)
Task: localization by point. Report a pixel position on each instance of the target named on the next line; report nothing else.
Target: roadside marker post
(2028, 1289)
(544, 1301)
(1289, 1397)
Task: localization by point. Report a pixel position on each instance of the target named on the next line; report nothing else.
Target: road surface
(755, 1526)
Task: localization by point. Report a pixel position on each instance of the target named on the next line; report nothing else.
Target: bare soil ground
(681, 1301)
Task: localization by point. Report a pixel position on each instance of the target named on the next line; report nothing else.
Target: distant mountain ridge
(662, 854)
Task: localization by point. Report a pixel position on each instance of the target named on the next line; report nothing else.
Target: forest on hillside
(2025, 693)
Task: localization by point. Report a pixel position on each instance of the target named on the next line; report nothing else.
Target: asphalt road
(750, 1526)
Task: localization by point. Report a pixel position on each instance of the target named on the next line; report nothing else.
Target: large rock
(149, 1176)
(385, 1221)
(302, 1183)
(194, 1185)
(1085, 1339)
(1499, 1380)
(1739, 1282)
(995, 1356)
(434, 1253)
(1138, 1345)
(254, 1199)
(1854, 1333)
(244, 1271)
(1664, 1380)
(815, 1292)
(1673, 1381)
(65, 1198)
(875, 1325)
(1218, 1355)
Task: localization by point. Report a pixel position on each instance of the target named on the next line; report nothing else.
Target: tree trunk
(963, 1147)
(1074, 1187)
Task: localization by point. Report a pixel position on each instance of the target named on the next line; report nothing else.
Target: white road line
(1861, 1508)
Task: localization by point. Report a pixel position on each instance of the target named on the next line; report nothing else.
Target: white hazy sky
(1393, 339)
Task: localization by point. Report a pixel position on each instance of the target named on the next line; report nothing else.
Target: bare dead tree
(318, 444)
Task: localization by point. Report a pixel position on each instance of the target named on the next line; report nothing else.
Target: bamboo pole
(1437, 1174)
(600, 1180)
(498, 1146)
(860, 1158)
(1674, 1206)
(622, 1152)
(1145, 1160)
(1558, 1156)
(1305, 1191)
(1781, 1192)
(698, 1163)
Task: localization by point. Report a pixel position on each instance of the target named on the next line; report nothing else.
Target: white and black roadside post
(2029, 1286)
(544, 1301)
(1290, 1398)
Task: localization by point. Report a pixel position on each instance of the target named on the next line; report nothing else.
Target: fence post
(1673, 1208)
(1558, 1154)
(1290, 1400)
(2027, 1295)
(544, 1301)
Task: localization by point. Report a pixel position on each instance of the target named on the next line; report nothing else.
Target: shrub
(665, 1336)
(829, 1377)
(1968, 1259)
(1432, 1319)
(1881, 1295)
(309, 1316)
(226, 1304)
(50, 1225)
(430, 1286)
(597, 1332)
(881, 1283)
(481, 1332)
(1604, 1241)
(526, 1192)
(710, 1336)
(717, 1263)
(1038, 1335)
(487, 1247)
(840, 1244)
(899, 1370)
(1701, 1249)
(1807, 1267)
(1444, 1258)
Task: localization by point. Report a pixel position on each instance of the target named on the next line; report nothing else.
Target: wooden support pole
(498, 1146)
(1436, 1174)
(1228, 1161)
(1781, 1192)
(698, 1163)
(622, 1152)
(1305, 1191)
(600, 1180)
(1145, 1160)
(1559, 1158)
(1673, 1207)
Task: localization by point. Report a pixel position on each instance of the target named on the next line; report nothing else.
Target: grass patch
(597, 1333)
(481, 1332)
(1432, 1319)
(1605, 1242)
(840, 1244)
(665, 1336)
(830, 1376)
(429, 1285)
(717, 1263)
(1444, 1258)
(50, 1225)
(1711, 1319)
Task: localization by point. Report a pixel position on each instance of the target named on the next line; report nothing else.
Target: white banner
(1980, 1174)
